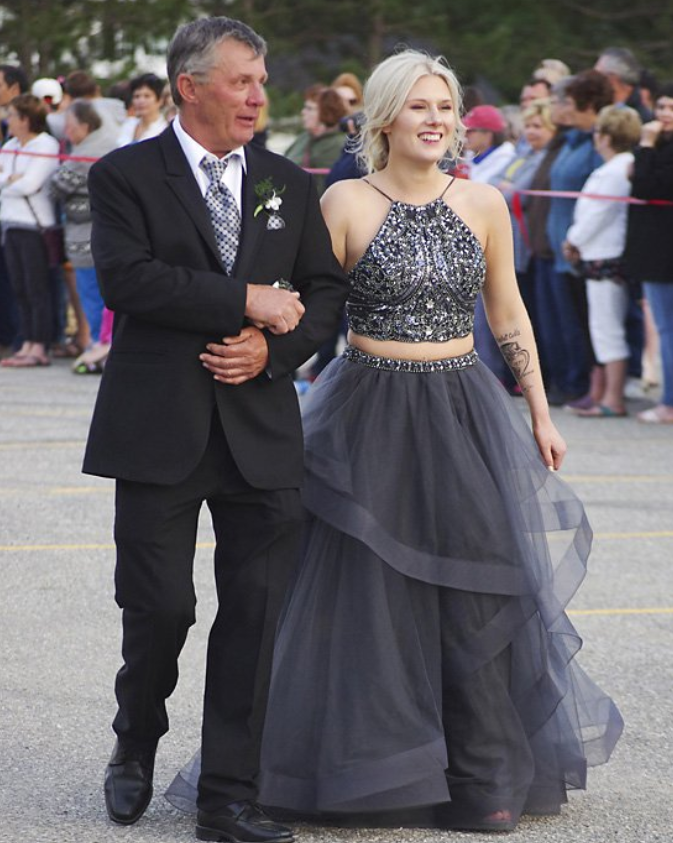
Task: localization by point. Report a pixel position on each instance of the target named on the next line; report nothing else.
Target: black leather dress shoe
(241, 822)
(128, 782)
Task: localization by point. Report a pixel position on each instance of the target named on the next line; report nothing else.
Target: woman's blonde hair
(621, 124)
(385, 93)
(539, 108)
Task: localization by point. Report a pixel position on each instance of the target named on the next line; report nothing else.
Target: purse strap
(37, 220)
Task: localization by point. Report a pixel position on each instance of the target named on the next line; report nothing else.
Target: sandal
(84, 368)
(655, 415)
(67, 349)
(586, 402)
(600, 411)
(24, 361)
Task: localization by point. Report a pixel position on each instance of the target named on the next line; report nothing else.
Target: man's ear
(187, 87)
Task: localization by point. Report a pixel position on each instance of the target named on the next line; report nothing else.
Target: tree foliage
(314, 39)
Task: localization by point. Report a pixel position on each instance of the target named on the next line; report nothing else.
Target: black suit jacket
(160, 272)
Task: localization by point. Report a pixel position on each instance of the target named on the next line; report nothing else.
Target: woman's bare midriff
(412, 350)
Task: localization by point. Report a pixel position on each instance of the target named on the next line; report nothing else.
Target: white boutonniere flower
(270, 201)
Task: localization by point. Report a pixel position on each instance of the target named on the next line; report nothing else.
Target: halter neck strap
(390, 198)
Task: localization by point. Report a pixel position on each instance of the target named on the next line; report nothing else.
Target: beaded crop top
(419, 278)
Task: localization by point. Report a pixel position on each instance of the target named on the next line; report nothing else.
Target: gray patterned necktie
(224, 213)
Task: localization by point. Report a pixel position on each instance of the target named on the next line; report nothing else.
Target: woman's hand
(650, 132)
(570, 252)
(550, 443)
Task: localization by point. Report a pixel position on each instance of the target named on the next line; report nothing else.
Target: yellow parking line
(32, 445)
(617, 478)
(25, 548)
(654, 534)
(80, 490)
(655, 610)
(11, 548)
(37, 412)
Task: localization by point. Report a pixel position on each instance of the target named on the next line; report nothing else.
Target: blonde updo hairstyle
(385, 93)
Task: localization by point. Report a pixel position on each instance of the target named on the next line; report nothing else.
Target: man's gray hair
(193, 46)
(622, 63)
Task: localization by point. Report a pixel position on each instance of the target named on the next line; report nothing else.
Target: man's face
(7, 92)
(226, 103)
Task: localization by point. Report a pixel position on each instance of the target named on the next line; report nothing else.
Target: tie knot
(214, 168)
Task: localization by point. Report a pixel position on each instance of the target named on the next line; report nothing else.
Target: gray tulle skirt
(424, 656)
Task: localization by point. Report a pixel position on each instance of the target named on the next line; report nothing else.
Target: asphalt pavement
(60, 632)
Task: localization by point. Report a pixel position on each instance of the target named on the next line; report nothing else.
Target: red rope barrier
(322, 171)
(577, 194)
(59, 155)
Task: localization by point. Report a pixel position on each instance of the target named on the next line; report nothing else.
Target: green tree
(311, 39)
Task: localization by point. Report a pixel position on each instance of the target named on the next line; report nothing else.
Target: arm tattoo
(510, 335)
(518, 359)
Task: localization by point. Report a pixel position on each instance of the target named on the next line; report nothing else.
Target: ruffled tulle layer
(424, 655)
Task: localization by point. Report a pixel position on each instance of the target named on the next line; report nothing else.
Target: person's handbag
(53, 239)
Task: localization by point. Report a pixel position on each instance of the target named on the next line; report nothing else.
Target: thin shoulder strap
(453, 178)
(389, 198)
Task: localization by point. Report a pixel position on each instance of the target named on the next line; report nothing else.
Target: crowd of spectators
(596, 274)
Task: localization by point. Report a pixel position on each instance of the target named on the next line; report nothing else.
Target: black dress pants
(257, 536)
(28, 268)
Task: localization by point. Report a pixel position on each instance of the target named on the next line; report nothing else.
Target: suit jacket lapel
(181, 180)
(253, 228)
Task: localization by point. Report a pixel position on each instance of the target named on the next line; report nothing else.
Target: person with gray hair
(90, 138)
(215, 259)
(623, 71)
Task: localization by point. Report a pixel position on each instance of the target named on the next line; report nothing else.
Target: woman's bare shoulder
(345, 191)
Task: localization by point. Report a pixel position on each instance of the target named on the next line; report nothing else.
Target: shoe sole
(215, 836)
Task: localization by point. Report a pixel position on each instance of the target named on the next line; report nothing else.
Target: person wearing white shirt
(595, 242)
(147, 121)
(489, 152)
(27, 162)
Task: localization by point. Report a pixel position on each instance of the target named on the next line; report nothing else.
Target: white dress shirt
(194, 152)
(127, 132)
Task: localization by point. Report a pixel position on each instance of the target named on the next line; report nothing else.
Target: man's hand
(238, 359)
(268, 307)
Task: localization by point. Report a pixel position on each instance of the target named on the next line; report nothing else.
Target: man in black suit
(197, 403)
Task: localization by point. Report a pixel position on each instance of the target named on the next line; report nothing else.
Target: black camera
(352, 123)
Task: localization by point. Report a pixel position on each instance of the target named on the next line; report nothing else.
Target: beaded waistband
(392, 364)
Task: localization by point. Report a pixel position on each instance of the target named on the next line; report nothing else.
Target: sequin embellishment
(420, 277)
(392, 364)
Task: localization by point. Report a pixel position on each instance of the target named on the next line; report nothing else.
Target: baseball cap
(48, 89)
(486, 117)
